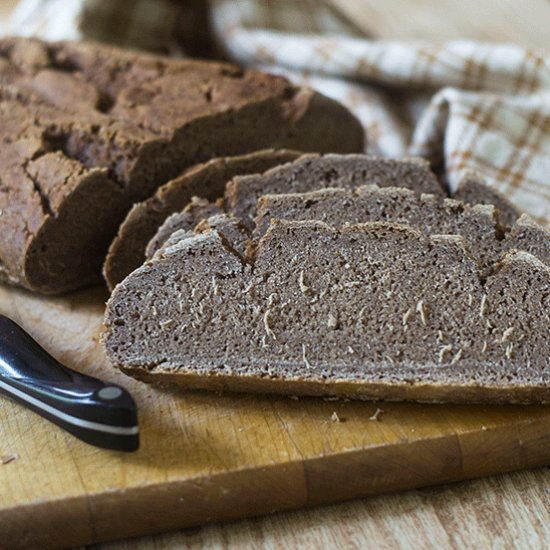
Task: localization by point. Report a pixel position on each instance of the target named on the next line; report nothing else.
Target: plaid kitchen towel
(466, 106)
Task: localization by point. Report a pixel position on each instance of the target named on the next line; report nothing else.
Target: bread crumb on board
(7, 458)
(376, 416)
(336, 418)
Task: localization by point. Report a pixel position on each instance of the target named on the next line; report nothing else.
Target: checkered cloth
(466, 106)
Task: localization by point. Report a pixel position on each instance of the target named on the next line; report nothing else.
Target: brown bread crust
(350, 389)
(141, 120)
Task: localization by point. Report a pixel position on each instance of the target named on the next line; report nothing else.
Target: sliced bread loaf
(207, 180)
(133, 121)
(310, 172)
(375, 310)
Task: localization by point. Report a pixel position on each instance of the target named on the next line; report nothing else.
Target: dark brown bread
(234, 234)
(528, 235)
(473, 189)
(374, 310)
(312, 172)
(485, 238)
(207, 180)
(134, 121)
(307, 173)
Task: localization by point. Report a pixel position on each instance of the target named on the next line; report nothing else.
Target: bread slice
(310, 172)
(485, 239)
(473, 189)
(207, 180)
(526, 234)
(375, 310)
(234, 234)
(232, 231)
(132, 121)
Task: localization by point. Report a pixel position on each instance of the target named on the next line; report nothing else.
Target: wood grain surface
(501, 512)
(207, 457)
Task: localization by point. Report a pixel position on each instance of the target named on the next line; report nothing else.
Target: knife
(104, 415)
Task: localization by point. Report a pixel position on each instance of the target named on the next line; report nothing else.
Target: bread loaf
(88, 130)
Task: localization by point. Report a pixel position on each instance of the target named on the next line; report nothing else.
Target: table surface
(498, 512)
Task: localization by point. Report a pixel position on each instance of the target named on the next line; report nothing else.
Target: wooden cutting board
(207, 457)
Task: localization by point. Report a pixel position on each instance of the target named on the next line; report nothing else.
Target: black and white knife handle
(101, 414)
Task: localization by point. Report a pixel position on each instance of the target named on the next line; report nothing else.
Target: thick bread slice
(311, 172)
(473, 189)
(140, 120)
(374, 310)
(485, 238)
(207, 180)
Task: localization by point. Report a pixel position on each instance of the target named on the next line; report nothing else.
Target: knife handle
(101, 414)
